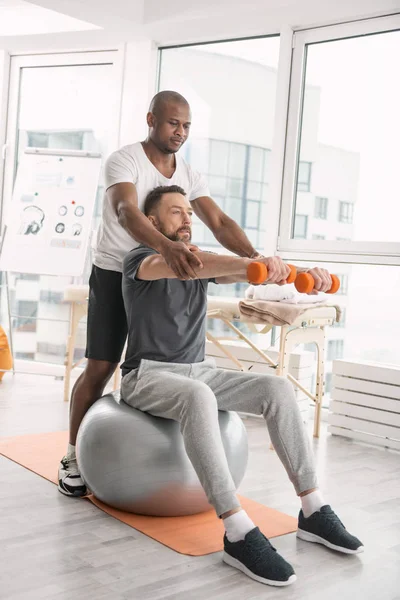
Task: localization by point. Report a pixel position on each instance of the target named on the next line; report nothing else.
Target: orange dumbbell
(257, 273)
(305, 283)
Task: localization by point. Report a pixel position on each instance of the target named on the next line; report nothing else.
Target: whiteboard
(48, 224)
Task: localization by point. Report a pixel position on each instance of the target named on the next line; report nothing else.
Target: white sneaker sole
(233, 562)
(312, 537)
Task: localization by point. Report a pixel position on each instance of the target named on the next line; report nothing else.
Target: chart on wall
(48, 221)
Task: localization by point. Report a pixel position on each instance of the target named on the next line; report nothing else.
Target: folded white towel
(283, 293)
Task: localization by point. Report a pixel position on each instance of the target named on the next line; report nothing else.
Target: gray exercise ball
(136, 462)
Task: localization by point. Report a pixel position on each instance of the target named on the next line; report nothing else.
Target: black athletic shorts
(106, 321)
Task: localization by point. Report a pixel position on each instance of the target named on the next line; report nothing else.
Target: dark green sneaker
(258, 559)
(325, 527)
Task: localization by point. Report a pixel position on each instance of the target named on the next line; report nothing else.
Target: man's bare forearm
(214, 265)
(232, 237)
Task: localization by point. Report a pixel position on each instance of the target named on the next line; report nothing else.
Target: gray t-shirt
(166, 317)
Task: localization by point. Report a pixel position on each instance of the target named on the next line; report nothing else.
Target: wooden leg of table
(69, 358)
(78, 311)
(319, 395)
(117, 379)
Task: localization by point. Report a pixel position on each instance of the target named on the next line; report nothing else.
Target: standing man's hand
(181, 259)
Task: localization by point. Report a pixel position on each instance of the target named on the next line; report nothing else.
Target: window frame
(358, 252)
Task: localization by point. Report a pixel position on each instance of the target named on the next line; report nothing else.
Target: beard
(177, 236)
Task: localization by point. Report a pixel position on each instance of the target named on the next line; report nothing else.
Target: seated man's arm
(224, 268)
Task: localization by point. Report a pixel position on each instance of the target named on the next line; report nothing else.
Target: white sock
(71, 451)
(311, 503)
(237, 526)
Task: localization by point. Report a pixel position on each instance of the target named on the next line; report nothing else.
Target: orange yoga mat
(194, 535)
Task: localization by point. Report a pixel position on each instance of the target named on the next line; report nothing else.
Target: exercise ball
(136, 462)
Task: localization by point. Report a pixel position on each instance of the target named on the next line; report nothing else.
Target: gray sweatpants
(192, 394)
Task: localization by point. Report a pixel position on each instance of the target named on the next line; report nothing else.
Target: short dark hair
(153, 198)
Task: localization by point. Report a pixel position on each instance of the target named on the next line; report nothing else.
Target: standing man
(130, 173)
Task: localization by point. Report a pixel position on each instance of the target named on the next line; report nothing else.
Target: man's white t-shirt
(131, 165)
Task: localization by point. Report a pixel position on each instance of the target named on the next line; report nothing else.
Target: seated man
(165, 373)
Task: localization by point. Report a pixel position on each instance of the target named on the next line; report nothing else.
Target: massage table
(307, 328)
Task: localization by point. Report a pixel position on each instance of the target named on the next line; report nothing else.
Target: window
(52, 349)
(346, 212)
(304, 177)
(321, 208)
(235, 160)
(344, 283)
(25, 355)
(26, 314)
(328, 383)
(51, 296)
(29, 276)
(60, 101)
(231, 173)
(252, 214)
(300, 227)
(315, 236)
(65, 140)
(335, 349)
(355, 167)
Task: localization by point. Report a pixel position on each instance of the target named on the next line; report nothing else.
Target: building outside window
(237, 177)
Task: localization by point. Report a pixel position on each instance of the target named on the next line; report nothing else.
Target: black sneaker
(325, 527)
(70, 481)
(258, 559)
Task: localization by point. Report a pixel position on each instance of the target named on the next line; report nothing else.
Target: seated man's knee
(280, 389)
(200, 393)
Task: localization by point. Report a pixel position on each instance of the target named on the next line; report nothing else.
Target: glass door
(64, 101)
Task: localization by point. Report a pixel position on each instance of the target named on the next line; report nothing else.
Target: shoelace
(71, 465)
